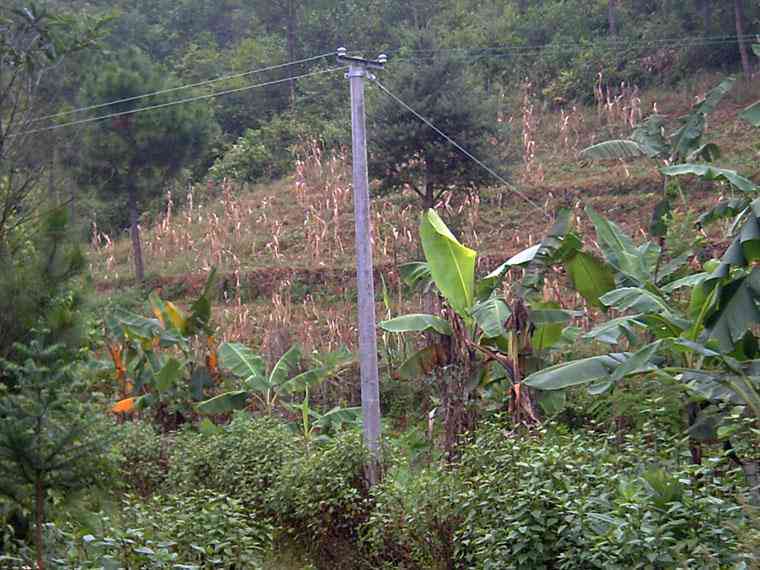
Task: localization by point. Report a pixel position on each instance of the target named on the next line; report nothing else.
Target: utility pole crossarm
(370, 385)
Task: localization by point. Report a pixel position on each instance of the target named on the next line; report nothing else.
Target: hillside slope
(285, 249)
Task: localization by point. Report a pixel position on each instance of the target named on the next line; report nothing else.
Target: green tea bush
(551, 500)
(141, 460)
(413, 520)
(320, 499)
(243, 459)
(197, 530)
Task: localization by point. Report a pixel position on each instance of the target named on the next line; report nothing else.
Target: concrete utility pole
(358, 71)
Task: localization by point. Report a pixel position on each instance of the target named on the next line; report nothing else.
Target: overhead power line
(611, 44)
(181, 87)
(463, 150)
(179, 102)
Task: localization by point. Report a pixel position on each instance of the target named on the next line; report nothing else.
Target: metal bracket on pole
(378, 63)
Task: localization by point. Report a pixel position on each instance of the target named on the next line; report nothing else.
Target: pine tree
(48, 440)
(406, 153)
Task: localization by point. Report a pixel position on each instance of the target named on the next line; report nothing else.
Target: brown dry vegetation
(285, 249)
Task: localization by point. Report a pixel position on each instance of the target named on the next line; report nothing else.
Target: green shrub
(413, 520)
(242, 459)
(550, 500)
(320, 499)
(141, 459)
(195, 530)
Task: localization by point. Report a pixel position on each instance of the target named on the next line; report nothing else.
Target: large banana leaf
(648, 135)
(618, 149)
(423, 362)
(637, 263)
(414, 273)
(200, 310)
(712, 173)
(491, 315)
(285, 366)
(452, 265)
(724, 209)
(224, 403)
(331, 364)
(737, 311)
(752, 114)
(241, 361)
(591, 277)
(521, 258)
(416, 323)
(169, 375)
(744, 249)
(577, 372)
(610, 331)
(686, 139)
(637, 299)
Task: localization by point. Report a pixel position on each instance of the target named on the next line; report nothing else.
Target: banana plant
(267, 389)
(708, 344)
(152, 356)
(481, 339)
(316, 427)
(683, 145)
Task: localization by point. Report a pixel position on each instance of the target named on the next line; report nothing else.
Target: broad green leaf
(169, 375)
(715, 96)
(416, 323)
(737, 311)
(636, 298)
(198, 381)
(723, 209)
(590, 276)
(689, 281)
(423, 362)
(648, 135)
(661, 216)
(224, 403)
(521, 258)
(285, 366)
(241, 361)
(576, 372)
(338, 416)
(710, 385)
(610, 331)
(549, 320)
(331, 365)
(712, 173)
(452, 265)
(414, 273)
(709, 152)
(620, 149)
(200, 310)
(637, 362)
(687, 138)
(552, 402)
(752, 114)
(491, 315)
(620, 251)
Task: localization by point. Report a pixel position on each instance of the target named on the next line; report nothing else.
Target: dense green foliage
(519, 440)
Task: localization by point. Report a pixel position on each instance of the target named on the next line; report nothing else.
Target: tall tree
(405, 153)
(133, 155)
(33, 42)
(739, 17)
(612, 17)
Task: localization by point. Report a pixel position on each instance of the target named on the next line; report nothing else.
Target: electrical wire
(454, 143)
(180, 88)
(178, 102)
(609, 44)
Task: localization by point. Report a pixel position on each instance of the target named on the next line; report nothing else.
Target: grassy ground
(285, 249)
